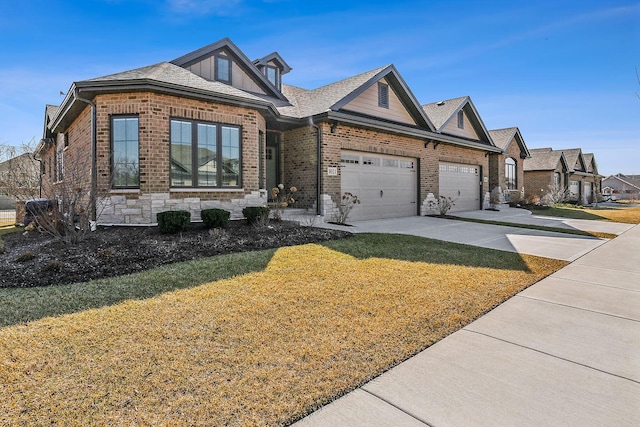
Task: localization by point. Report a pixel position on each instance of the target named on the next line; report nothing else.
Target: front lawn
(627, 215)
(262, 348)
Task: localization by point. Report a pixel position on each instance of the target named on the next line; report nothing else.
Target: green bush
(255, 214)
(215, 218)
(173, 221)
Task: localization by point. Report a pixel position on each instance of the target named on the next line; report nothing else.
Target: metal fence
(7, 217)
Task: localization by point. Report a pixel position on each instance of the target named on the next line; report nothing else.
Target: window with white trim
(510, 174)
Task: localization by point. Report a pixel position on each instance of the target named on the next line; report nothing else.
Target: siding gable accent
(403, 105)
(244, 73)
(367, 103)
(444, 115)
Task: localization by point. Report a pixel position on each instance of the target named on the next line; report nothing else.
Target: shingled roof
(544, 159)
(503, 137)
(440, 112)
(167, 73)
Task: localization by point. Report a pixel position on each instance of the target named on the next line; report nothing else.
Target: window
(383, 95)
(272, 75)
(59, 159)
(204, 154)
(460, 119)
(510, 174)
(556, 180)
(223, 69)
(125, 164)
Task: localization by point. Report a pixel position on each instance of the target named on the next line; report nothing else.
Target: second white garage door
(385, 185)
(462, 184)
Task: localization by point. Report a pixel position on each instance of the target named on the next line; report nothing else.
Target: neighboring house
(462, 172)
(507, 168)
(565, 170)
(215, 129)
(545, 170)
(19, 179)
(621, 187)
(584, 180)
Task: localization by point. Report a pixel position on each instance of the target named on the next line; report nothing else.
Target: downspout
(319, 166)
(94, 162)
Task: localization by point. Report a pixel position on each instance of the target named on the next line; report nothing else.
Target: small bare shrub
(106, 254)
(347, 202)
(443, 204)
(281, 198)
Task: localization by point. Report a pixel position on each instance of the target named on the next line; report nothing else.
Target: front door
(272, 164)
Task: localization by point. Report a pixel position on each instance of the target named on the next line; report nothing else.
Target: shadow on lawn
(21, 305)
(420, 249)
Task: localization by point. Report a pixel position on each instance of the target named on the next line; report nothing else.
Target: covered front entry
(461, 183)
(387, 186)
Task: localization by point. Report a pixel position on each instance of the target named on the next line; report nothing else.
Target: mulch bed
(35, 259)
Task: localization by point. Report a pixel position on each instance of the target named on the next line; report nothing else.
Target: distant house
(621, 187)
(545, 170)
(565, 170)
(19, 179)
(507, 168)
(213, 128)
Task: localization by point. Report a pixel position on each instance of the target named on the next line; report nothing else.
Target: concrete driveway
(534, 242)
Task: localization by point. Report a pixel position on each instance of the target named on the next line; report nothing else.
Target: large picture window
(125, 161)
(204, 154)
(510, 174)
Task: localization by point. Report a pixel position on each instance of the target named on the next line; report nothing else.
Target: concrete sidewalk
(564, 352)
(547, 244)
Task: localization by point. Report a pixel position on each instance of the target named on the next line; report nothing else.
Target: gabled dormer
(273, 67)
(224, 62)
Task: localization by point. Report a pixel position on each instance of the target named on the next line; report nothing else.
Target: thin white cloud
(204, 7)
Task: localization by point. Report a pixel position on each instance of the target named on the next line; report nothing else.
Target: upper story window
(510, 174)
(383, 95)
(223, 69)
(204, 154)
(125, 163)
(460, 119)
(272, 75)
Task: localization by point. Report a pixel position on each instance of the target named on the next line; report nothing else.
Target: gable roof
(590, 163)
(542, 159)
(503, 138)
(635, 183)
(574, 157)
(275, 57)
(248, 65)
(442, 112)
(335, 96)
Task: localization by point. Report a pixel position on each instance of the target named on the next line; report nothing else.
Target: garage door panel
(462, 184)
(384, 188)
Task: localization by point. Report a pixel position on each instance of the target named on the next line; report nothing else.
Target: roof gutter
(94, 163)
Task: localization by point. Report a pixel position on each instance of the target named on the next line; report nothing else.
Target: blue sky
(563, 71)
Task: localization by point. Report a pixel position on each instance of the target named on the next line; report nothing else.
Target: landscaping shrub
(215, 218)
(255, 214)
(173, 221)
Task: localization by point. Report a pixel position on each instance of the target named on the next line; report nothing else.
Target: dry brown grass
(628, 215)
(260, 349)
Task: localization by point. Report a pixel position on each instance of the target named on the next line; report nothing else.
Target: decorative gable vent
(383, 95)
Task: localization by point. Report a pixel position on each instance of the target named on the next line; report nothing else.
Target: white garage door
(385, 185)
(587, 193)
(462, 184)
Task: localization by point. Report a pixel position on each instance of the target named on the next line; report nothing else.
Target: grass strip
(264, 348)
(624, 214)
(539, 227)
(27, 304)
